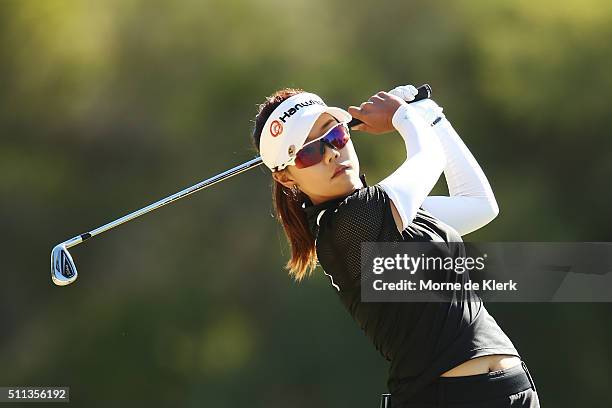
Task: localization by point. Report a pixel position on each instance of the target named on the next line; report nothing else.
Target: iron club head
(63, 270)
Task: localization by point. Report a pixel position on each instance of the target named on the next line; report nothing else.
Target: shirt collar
(312, 211)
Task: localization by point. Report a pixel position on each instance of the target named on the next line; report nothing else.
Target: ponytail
(288, 202)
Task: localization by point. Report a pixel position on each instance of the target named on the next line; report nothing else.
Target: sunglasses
(312, 152)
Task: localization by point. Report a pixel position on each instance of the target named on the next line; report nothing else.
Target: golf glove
(427, 108)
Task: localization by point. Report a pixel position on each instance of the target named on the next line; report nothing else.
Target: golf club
(63, 269)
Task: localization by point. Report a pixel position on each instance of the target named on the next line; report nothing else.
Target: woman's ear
(284, 178)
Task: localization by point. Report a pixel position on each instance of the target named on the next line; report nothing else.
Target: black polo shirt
(421, 340)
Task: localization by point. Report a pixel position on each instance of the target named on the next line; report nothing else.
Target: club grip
(424, 93)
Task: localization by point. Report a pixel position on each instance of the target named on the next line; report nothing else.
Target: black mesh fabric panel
(420, 339)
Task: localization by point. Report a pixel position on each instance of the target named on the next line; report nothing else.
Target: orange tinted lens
(311, 154)
(338, 136)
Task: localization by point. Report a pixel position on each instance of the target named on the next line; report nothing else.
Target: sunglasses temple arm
(424, 93)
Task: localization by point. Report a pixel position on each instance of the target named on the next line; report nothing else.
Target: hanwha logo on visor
(276, 128)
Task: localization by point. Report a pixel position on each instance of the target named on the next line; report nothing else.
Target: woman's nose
(331, 152)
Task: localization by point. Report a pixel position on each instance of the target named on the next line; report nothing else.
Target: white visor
(288, 127)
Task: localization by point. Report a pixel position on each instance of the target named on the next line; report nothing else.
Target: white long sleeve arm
(471, 204)
(410, 183)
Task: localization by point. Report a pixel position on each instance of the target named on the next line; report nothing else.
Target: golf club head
(63, 270)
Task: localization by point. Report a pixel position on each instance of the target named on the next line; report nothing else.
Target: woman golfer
(442, 354)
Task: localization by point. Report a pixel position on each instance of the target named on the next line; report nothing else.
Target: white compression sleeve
(409, 184)
(471, 204)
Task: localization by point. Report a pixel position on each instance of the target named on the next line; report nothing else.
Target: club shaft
(174, 197)
(424, 91)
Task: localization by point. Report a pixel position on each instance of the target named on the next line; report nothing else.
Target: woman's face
(316, 181)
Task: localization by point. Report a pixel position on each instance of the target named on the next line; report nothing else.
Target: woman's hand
(376, 113)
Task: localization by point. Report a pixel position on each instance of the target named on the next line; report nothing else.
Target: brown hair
(287, 202)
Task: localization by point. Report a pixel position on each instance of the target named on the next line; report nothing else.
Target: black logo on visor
(297, 107)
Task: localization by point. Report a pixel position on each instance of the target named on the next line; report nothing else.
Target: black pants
(511, 387)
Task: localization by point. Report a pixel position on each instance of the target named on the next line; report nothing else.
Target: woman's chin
(347, 181)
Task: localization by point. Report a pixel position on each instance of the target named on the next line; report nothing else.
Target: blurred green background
(107, 106)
